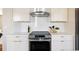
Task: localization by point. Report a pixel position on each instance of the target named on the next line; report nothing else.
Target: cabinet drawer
(17, 36)
(62, 37)
(17, 43)
(62, 48)
(18, 40)
(58, 41)
(57, 47)
(17, 46)
(69, 45)
(62, 45)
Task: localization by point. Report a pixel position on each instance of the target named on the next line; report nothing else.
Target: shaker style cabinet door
(17, 43)
(7, 22)
(21, 14)
(59, 14)
(57, 46)
(1, 11)
(62, 43)
(69, 45)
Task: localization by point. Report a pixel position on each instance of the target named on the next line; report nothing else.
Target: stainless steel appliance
(40, 12)
(40, 41)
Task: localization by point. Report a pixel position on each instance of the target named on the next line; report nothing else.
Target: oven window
(40, 45)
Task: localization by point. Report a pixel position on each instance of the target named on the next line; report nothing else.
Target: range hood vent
(39, 12)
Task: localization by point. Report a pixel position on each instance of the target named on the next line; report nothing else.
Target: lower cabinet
(17, 43)
(21, 43)
(62, 43)
(17, 46)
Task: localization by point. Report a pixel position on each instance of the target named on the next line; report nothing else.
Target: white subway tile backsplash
(43, 24)
(20, 28)
(60, 25)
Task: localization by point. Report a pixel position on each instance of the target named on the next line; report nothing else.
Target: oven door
(40, 45)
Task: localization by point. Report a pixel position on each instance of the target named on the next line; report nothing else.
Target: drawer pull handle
(18, 41)
(17, 36)
(62, 41)
(62, 36)
(62, 49)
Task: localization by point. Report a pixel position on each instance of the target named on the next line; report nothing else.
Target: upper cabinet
(1, 11)
(21, 14)
(59, 14)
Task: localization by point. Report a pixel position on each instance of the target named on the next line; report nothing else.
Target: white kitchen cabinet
(7, 21)
(21, 14)
(59, 14)
(1, 11)
(62, 43)
(17, 43)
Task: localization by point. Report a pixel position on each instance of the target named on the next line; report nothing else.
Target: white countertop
(30, 32)
(60, 34)
(18, 34)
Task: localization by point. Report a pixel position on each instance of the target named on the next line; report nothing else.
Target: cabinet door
(17, 46)
(17, 43)
(1, 11)
(62, 43)
(7, 23)
(22, 44)
(57, 46)
(59, 14)
(21, 14)
(10, 46)
(68, 45)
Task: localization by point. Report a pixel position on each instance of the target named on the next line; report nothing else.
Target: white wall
(0, 23)
(70, 25)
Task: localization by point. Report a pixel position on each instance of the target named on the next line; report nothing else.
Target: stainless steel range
(40, 41)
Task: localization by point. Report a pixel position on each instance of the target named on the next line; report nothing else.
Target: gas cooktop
(40, 33)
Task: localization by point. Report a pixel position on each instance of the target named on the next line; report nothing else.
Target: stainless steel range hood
(39, 12)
